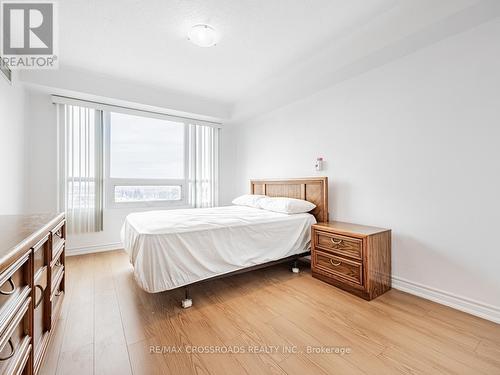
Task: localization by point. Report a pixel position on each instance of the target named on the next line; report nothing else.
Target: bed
(176, 248)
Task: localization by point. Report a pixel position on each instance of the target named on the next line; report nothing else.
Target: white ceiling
(145, 40)
(271, 51)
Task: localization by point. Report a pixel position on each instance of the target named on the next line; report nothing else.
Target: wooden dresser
(353, 257)
(31, 288)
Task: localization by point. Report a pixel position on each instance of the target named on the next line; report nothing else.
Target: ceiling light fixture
(203, 35)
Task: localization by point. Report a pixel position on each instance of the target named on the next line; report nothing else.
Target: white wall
(12, 171)
(41, 152)
(402, 30)
(93, 86)
(413, 146)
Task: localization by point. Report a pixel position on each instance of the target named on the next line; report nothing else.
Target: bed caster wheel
(187, 303)
(295, 269)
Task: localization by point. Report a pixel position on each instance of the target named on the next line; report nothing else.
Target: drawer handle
(335, 264)
(338, 242)
(41, 297)
(12, 287)
(12, 351)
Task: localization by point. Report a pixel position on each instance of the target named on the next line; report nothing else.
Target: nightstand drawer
(341, 245)
(338, 267)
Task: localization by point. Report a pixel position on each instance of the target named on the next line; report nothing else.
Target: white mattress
(172, 248)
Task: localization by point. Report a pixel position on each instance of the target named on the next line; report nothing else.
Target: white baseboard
(467, 305)
(70, 251)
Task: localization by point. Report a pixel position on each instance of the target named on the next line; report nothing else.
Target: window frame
(111, 182)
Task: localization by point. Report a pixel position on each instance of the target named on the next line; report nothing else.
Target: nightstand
(353, 257)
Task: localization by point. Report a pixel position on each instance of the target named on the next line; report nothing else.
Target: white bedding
(172, 248)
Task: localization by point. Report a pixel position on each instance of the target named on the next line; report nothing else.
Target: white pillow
(250, 200)
(286, 205)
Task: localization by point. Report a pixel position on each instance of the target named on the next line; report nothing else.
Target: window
(147, 163)
(146, 148)
(147, 193)
(117, 157)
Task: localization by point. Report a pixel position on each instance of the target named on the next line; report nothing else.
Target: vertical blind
(203, 173)
(81, 162)
(83, 168)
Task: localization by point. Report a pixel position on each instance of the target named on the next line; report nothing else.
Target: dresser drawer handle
(12, 351)
(41, 297)
(12, 287)
(338, 242)
(335, 264)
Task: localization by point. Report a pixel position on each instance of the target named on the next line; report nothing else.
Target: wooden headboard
(313, 189)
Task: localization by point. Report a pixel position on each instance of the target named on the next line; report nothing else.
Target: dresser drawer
(15, 345)
(41, 298)
(58, 230)
(56, 301)
(338, 267)
(57, 276)
(14, 289)
(39, 253)
(338, 244)
(16, 365)
(57, 247)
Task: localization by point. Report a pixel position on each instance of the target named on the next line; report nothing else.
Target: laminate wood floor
(110, 326)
